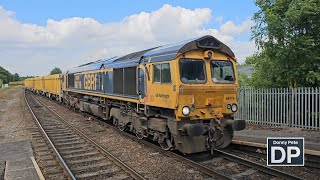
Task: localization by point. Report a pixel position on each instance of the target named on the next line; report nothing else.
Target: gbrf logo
(285, 151)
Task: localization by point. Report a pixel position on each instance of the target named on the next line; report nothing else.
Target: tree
(243, 80)
(243, 77)
(16, 77)
(55, 71)
(5, 75)
(287, 32)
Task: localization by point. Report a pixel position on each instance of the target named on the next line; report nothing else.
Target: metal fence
(293, 107)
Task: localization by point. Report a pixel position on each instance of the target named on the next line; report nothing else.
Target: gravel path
(14, 116)
(15, 119)
(145, 160)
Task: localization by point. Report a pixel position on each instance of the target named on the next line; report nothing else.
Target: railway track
(66, 153)
(222, 166)
(238, 167)
(312, 159)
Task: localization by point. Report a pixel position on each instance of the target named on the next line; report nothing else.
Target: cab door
(141, 83)
(161, 88)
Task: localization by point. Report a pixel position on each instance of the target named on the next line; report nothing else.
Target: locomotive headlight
(234, 108)
(186, 111)
(229, 106)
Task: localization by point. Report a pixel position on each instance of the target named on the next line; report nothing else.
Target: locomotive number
(90, 81)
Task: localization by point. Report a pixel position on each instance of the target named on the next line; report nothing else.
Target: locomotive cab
(201, 85)
(207, 101)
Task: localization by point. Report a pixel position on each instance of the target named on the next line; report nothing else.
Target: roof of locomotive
(156, 54)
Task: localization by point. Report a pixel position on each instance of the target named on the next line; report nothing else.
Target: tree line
(287, 35)
(6, 76)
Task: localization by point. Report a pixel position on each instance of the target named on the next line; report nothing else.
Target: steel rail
(256, 166)
(117, 161)
(60, 159)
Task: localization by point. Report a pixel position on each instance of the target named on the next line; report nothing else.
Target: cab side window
(157, 73)
(162, 73)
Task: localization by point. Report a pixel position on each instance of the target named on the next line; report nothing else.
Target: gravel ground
(14, 116)
(145, 160)
(259, 133)
(15, 119)
(303, 172)
(2, 167)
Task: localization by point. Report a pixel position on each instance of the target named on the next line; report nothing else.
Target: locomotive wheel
(140, 134)
(165, 145)
(121, 126)
(115, 121)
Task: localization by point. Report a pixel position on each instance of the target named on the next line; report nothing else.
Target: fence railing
(293, 107)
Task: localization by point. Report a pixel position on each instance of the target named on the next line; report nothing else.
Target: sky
(36, 36)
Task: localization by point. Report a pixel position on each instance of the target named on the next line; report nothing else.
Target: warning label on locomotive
(285, 151)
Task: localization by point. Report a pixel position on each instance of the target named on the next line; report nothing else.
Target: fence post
(290, 107)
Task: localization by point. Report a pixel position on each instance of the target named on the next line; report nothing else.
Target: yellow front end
(214, 93)
(206, 101)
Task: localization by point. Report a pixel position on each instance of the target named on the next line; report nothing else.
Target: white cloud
(30, 49)
(229, 28)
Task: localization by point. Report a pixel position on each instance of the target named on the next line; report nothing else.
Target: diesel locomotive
(182, 95)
